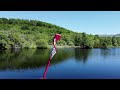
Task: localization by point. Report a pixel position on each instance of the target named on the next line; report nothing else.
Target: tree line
(21, 33)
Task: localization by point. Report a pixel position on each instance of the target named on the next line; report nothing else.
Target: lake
(68, 63)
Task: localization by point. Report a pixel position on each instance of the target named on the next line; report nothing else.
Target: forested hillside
(21, 33)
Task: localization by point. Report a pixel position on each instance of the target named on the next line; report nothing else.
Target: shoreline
(67, 46)
(50, 46)
(84, 48)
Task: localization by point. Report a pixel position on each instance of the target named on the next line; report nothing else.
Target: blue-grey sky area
(91, 22)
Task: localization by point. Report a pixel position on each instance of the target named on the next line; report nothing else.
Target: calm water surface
(68, 63)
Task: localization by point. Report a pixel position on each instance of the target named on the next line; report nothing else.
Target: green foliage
(25, 27)
(21, 33)
(96, 42)
(114, 41)
(41, 44)
(62, 43)
(79, 40)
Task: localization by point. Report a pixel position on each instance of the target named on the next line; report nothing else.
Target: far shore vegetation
(21, 33)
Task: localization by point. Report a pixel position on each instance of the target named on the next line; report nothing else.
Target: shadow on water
(105, 52)
(82, 54)
(115, 52)
(31, 58)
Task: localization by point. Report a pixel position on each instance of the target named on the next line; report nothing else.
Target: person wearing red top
(56, 38)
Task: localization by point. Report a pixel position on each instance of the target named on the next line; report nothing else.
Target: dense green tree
(25, 33)
(42, 44)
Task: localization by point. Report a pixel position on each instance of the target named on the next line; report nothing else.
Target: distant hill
(106, 35)
(117, 35)
(22, 33)
(32, 33)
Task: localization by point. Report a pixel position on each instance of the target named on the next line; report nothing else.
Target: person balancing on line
(54, 50)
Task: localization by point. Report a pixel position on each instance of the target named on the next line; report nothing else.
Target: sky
(90, 22)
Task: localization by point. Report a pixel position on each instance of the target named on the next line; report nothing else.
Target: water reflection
(110, 52)
(30, 63)
(82, 54)
(31, 58)
(105, 52)
(34, 58)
